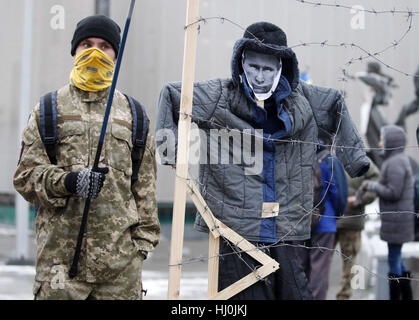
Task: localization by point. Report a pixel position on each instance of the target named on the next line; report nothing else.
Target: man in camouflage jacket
(122, 225)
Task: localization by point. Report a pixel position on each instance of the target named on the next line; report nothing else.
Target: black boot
(405, 287)
(394, 283)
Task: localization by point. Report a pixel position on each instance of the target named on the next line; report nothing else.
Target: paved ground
(16, 281)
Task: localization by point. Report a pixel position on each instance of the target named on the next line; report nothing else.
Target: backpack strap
(140, 122)
(48, 119)
(139, 135)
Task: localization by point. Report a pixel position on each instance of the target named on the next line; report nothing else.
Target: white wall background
(154, 53)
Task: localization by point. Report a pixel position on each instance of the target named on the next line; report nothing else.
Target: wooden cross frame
(217, 229)
(184, 185)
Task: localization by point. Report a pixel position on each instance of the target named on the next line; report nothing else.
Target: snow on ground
(193, 285)
(378, 247)
(16, 284)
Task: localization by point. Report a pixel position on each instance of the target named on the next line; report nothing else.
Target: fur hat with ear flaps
(266, 38)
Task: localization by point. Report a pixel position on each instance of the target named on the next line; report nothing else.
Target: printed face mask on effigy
(93, 70)
(262, 73)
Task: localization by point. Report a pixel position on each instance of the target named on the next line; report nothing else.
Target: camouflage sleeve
(36, 179)
(146, 234)
(367, 197)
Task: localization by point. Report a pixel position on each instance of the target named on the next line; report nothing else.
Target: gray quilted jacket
(236, 197)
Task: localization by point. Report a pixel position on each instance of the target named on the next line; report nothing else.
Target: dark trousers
(395, 261)
(316, 262)
(287, 283)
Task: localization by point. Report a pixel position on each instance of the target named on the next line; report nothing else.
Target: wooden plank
(213, 262)
(247, 281)
(200, 204)
(270, 209)
(243, 244)
(217, 228)
(184, 126)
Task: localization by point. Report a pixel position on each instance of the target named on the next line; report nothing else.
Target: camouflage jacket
(122, 221)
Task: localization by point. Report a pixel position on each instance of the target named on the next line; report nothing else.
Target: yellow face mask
(93, 70)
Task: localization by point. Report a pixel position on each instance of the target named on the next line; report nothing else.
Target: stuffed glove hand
(86, 183)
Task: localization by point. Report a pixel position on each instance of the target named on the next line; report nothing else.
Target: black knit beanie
(98, 26)
(266, 32)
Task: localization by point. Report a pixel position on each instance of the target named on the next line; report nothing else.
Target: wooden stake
(213, 251)
(184, 126)
(183, 185)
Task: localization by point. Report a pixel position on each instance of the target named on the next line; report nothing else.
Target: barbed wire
(306, 213)
(295, 207)
(281, 241)
(368, 54)
(325, 43)
(237, 251)
(213, 122)
(357, 8)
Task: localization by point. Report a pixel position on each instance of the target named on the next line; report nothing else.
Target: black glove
(86, 183)
(143, 254)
